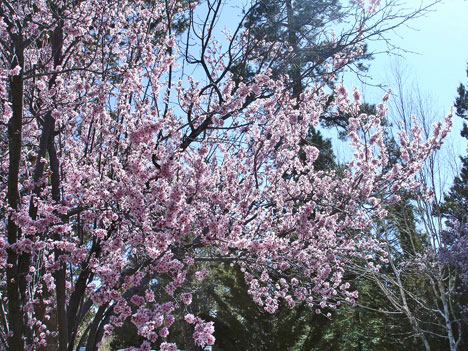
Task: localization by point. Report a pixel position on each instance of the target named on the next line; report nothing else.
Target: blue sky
(435, 63)
(437, 46)
(433, 60)
(442, 41)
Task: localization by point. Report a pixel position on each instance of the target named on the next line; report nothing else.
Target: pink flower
(145, 346)
(164, 332)
(189, 318)
(264, 277)
(186, 298)
(200, 275)
(203, 333)
(100, 233)
(149, 296)
(169, 320)
(168, 346)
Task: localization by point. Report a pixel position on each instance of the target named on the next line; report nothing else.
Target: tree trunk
(15, 125)
(294, 68)
(448, 323)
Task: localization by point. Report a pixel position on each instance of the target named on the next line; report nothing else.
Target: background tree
(454, 248)
(414, 283)
(240, 323)
(461, 104)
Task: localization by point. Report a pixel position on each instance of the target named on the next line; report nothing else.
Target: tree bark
(15, 126)
(294, 68)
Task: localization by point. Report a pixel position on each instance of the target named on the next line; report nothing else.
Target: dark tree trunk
(294, 68)
(15, 125)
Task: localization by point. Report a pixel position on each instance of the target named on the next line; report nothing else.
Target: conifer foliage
(454, 250)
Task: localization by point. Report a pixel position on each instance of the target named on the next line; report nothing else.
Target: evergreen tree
(456, 201)
(454, 247)
(297, 27)
(242, 325)
(461, 104)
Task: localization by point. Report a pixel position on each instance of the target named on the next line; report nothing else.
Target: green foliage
(456, 201)
(326, 158)
(242, 325)
(461, 104)
(290, 37)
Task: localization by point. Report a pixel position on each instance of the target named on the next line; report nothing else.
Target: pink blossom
(164, 332)
(200, 275)
(143, 178)
(186, 298)
(169, 320)
(145, 346)
(189, 318)
(168, 346)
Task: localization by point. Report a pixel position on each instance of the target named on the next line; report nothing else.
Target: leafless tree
(414, 282)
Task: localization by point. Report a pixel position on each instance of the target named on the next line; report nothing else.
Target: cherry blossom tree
(118, 173)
